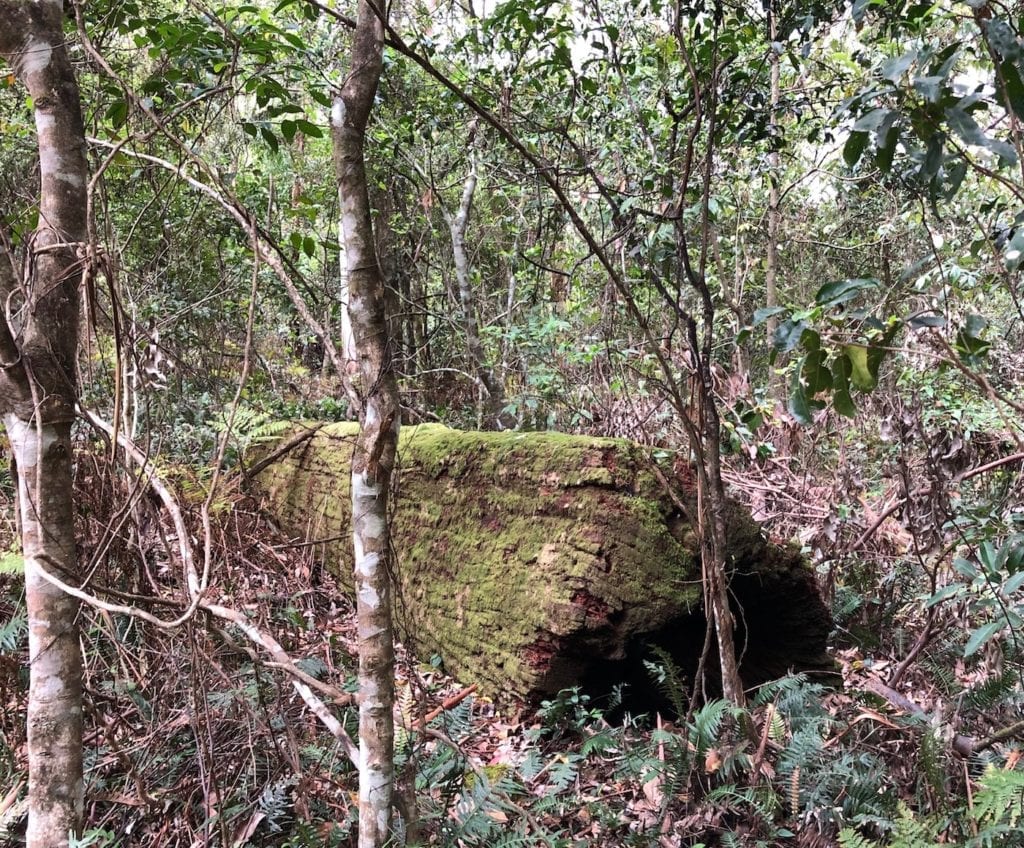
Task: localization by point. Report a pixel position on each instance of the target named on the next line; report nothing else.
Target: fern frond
(707, 724)
(1000, 799)
(850, 838)
(13, 632)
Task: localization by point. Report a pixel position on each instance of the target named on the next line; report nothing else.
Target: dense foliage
(821, 204)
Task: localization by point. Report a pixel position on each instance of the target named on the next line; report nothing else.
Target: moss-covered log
(534, 561)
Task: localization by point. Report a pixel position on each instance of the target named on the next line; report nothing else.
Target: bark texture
(380, 416)
(534, 561)
(38, 345)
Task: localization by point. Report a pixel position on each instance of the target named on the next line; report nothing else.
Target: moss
(515, 550)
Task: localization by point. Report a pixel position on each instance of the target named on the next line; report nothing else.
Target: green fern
(706, 726)
(994, 692)
(248, 428)
(275, 804)
(13, 632)
(932, 763)
(760, 800)
(908, 832)
(850, 838)
(999, 806)
(669, 679)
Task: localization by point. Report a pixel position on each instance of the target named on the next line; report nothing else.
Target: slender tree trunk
(38, 346)
(457, 226)
(374, 455)
(42, 453)
(774, 202)
(492, 392)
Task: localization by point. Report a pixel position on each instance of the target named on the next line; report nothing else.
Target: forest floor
(193, 740)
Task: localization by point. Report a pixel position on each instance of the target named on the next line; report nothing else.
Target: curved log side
(534, 561)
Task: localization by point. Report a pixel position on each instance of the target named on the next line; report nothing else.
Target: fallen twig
(278, 452)
(447, 704)
(962, 745)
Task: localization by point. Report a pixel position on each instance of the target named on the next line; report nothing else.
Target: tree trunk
(374, 454)
(42, 453)
(535, 561)
(38, 346)
(494, 392)
(774, 212)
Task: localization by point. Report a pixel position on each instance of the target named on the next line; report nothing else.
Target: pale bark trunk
(774, 202)
(348, 342)
(374, 455)
(457, 226)
(38, 346)
(43, 458)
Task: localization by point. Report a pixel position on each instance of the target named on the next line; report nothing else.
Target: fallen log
(534, 561)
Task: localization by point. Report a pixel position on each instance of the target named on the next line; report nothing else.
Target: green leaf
(309, 246)
(1013, 583)
(117, 113)
(969, 343)
(308, 128)
(765, 312)
(270, 139)
(933, 155)
(930, 87)
(860, 373)
(1012, 554)
(841, 399)
(810, 340)
(944, 594)
(967, 128)
(988, 558)
(879, 349)
(854, 147)
(816, 375)
(919, 321)
(841, 291)
(981, 636)
(896, 68)
(1014, 250)
(787, 335)
(872, 120)
(1014, 88)
(798, 404)
(1003, 39)
(885, 144)
(288, 128)
(966, 568)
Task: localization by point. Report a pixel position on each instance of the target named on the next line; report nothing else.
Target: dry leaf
(652, 791)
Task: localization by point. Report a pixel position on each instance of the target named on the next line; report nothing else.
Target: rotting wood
(534, 561)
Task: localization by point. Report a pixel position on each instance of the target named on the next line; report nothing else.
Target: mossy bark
(530, 561)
